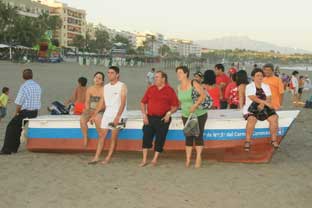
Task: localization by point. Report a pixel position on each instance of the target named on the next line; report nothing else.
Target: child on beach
(4, 99)
(79, 96)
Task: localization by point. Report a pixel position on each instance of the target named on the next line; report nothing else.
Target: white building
(73, 21)
(150, 41)
(184, 47)
(28, 8)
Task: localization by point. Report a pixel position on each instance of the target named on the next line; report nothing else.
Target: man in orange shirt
(276, 85)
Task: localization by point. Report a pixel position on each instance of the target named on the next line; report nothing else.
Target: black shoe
(5, 153)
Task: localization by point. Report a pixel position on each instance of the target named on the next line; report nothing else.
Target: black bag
(206, 104)
(262, 115)
(58, 108)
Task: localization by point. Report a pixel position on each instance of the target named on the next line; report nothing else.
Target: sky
(281, 22)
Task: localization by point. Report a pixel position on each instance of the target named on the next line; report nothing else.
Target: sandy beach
(65, 180)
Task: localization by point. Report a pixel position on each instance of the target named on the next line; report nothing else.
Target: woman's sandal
(275, 144)
(247, 146)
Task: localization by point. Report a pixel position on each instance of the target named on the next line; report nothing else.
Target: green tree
(164, 50)
(102, 42)
(79, 42)
(8, 16)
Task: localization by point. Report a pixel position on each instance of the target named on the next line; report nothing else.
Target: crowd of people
(105, 105)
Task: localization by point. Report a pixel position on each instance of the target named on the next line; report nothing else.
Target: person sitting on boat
(93, 97)
(258, 107)
(157, 105)
(79, 96)
(28, 103)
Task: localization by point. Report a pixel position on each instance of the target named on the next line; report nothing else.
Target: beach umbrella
(21, 47)
(4, 46)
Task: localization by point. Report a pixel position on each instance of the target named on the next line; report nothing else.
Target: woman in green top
(185, 97)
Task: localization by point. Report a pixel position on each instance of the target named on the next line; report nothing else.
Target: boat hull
(223, 136)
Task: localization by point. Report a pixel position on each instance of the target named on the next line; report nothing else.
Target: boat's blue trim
(136, 134)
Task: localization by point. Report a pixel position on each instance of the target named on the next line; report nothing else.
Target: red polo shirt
(159, 102)
(223, 79)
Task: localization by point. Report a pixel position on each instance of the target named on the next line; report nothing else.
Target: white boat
(224, 135)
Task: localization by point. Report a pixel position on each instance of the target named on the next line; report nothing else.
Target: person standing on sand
(294, 87)
(222, 80)
(198, 76)
(79, 96)
(115, 104)
(28, 103)
(4, 99)
(93, 97)
(231, 91)
(276, 86)
(188, 107)
(157, 105)
(150, 77)
(301, 87)
(209, 84)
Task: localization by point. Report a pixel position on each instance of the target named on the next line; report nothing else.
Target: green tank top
(185, 98)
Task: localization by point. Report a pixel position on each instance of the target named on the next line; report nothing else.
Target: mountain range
(243, 42)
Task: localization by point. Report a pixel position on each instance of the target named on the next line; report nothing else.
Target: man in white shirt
(115, 103)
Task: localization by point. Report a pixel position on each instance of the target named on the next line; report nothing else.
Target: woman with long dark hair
(93, 96)
(213, 90)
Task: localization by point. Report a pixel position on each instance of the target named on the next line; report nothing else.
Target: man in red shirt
(158, 104)
(222, 81)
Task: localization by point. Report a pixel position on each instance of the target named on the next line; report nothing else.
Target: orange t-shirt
(277, 88)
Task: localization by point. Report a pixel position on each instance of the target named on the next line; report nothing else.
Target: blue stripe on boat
(136, 134)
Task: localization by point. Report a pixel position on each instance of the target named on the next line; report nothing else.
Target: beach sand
(65, 180)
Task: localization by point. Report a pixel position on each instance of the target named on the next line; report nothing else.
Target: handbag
(191, 127)
(263, 114)
(207, 102)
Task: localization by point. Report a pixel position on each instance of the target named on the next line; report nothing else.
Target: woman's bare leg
(84, 130)
(273, 122)
(199, 150)
(250, 127)
(188, 151)
(102, 135)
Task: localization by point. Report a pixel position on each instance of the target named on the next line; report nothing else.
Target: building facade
(184, 47)
(151, 42)
(73, 21)
(28, 8)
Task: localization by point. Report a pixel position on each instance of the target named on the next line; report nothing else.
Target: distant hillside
(246, 43)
